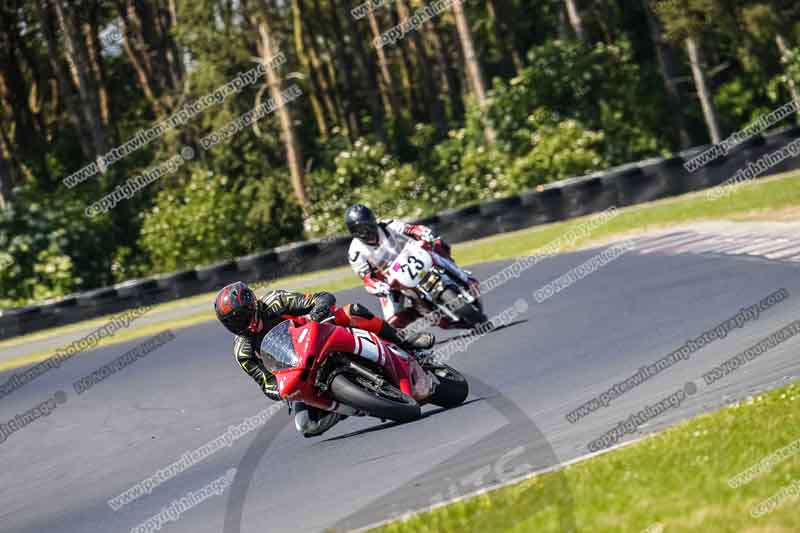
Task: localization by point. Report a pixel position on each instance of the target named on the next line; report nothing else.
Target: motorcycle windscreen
(277, 348)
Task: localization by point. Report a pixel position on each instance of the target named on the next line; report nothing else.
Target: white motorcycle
(433, 283)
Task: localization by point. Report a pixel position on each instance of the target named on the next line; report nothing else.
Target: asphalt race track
(58, 473)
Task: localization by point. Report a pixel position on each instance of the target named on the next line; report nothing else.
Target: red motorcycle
(354, 372)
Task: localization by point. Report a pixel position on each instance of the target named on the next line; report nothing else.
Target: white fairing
(410, 266)
(367, 345)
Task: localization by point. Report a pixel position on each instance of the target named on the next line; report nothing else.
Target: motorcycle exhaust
(366, 373)
(346, 410)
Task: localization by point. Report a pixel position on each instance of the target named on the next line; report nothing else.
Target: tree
(432, 103)
(294, 157)
(77, 58)
(300, 49)
(388, 93)
(575, 19)
(667, 64)
(774, 22)
(473, 67)
(685, 21)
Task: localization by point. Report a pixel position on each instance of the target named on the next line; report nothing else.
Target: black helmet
(236, 306)
(361, 223)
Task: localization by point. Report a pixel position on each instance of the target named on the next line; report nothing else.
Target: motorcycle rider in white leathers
(376, 243)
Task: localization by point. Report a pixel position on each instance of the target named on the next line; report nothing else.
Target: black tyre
(385, 402)
(469, 314)
(453, 388)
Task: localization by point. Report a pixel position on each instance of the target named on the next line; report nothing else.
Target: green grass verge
(677, 478)
(766, 195)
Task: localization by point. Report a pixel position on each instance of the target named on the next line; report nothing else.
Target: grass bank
(678, 480)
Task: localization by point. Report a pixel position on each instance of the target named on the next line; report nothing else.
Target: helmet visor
(239, 321)
(365, 232)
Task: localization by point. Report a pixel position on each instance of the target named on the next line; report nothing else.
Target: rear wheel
(469, 314)
(385, 401)
(452, 389)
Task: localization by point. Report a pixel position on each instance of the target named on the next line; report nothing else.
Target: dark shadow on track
(387, 425)
(471, 332)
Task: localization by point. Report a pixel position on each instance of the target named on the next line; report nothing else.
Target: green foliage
(599, 86)
(49, 247)
(212, 217)
(557, 151)
(547, 148)
(735, 100)
(468, 169)
(791, 73)
(368, 174)
(684, 18)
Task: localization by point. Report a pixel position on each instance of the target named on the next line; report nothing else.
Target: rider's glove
(319, 314)
(380, 289)
(428, 236)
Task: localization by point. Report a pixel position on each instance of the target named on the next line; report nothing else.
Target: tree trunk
(667, 63)
(347, 68)
(129, 44)
(449, 70)
(575, 19)
(473, 68)
(297, 25)
(388, 94)
(174, 54)
(503, 34)
(367, 69)
(93, 48)
(407, 81)
(330, 95)
(784, 50)
(703, 91)
(77, 58)
(50, 32)
(5, 181)
(431, 95)
(294, 157)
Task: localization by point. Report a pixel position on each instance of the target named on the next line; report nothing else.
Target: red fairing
(314, 342)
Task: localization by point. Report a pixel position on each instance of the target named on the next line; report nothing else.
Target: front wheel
(468, 314)
(385, 401)
(452, 389)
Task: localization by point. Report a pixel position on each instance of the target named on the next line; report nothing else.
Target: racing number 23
(412, 266)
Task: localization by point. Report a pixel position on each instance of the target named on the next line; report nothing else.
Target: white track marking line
(725, 243)
(668, 236)
(750, 244)
(703, 245)
(773, 245)
(677, 247)
(789, 251)
(735, 242)
(671, 242)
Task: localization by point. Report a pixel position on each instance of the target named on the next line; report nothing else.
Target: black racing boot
(411, 343)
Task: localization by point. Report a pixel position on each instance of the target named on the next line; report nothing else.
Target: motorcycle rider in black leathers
(250, 319)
